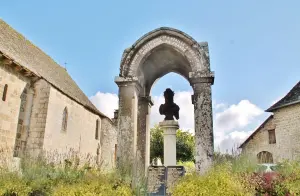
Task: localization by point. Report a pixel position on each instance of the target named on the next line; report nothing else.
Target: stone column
(27, 117)
(204, 137)
(170, 127)
(127, 123)
(143, 134)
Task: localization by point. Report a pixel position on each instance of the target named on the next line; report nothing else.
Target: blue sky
(254, 45)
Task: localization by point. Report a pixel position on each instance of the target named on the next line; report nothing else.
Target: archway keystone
(157, 53)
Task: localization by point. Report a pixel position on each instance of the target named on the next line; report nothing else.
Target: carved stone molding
(134, 56)
(146, 99)
(127, 81)
(202, 77)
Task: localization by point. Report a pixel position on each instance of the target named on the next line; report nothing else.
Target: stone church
(278, 137)
(43, 110)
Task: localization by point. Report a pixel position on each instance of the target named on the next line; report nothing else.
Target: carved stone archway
(154, 55)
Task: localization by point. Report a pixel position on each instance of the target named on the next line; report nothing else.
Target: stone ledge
(202, 77)
(124, 81)
(169, 124)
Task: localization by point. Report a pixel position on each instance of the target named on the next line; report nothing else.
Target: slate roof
(256, 131)
(23, 52)
(292, 97)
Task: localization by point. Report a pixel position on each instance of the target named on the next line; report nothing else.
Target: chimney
(116, 114)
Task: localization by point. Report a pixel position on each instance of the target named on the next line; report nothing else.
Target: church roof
(23, 52)
(292, 97)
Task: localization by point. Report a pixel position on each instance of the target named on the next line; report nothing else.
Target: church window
(272, 136)
(97, 129)
(65, 120)
(4, 92)
(115, 154)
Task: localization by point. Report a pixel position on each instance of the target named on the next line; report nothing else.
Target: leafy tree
(156, 143)
(185, 145)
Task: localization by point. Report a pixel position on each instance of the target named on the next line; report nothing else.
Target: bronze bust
(169, 109)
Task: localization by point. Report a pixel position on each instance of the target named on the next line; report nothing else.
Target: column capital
(201, 89)
(127, 81)
(202, 77)
(147, 99)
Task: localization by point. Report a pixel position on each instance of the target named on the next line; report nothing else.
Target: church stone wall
(10, 108)
(81, 129)
(35, 139)
(287, 122)
(260, 142)
(108, 144)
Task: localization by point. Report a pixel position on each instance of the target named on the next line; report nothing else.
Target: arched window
(65, 120)
(97, 131)
(4, 92)
(265, 157)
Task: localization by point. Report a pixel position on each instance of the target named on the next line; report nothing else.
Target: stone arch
(264, 157)
(157, 53)
(183, 43)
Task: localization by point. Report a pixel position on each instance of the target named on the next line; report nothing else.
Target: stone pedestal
(170, 127)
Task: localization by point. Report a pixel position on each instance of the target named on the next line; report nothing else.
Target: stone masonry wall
(45, 122)
(108, 142)
(9, 109)
(287, 122)
(81, 128)
(260, 142)
(35, 140)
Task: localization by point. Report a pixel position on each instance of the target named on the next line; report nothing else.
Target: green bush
(189, 166)
(220, 180)
(39, 178)
(92, 188)
(11, 184)
(290, 170)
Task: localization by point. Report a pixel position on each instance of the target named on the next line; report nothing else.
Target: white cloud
(237, 116)
(107, 103)
(227, 118)
(232, 141)
(219, 106)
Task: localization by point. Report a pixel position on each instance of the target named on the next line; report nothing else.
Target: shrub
(189, 166)
(268, 184)
(220, 180)
(39, 177)
(290, 170)
(12, 185)
(95, 183)
(92, 188)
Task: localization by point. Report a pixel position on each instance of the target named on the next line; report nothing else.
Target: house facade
(278, 137)
(42, 110)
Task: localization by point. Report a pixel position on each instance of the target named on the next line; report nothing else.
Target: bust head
(169, 108)
(169, 96)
